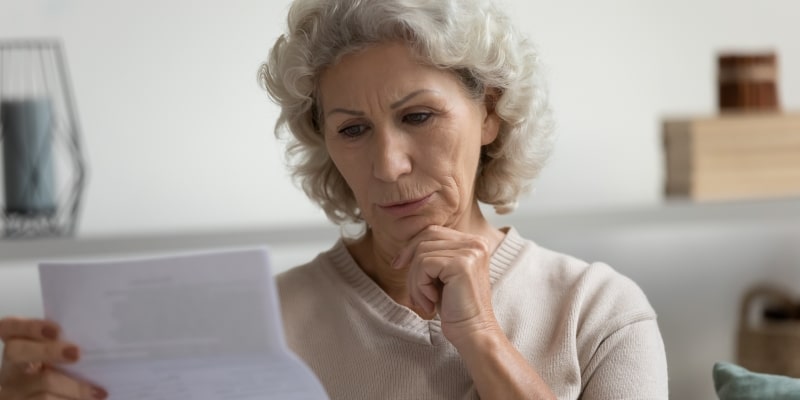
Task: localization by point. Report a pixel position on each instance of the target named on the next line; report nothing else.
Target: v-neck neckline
(401, 320)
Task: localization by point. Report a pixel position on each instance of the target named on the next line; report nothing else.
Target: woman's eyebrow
(408, 97)
(344, 111)
(393, 106)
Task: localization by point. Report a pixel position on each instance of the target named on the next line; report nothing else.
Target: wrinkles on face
(399, 131)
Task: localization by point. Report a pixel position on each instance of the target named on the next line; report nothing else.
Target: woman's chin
(404, 229)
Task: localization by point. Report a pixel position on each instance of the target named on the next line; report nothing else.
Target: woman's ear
(491, 122)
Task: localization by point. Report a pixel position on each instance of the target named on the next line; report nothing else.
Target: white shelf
(736, 215)
(29, 249)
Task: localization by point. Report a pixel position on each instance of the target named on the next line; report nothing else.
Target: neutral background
(178, 133)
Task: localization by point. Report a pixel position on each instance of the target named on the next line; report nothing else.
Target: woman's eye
(352, 131)
(416, 118)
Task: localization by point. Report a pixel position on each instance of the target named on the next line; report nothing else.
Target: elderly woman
(403, 115)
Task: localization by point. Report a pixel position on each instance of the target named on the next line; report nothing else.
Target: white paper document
(202, 326)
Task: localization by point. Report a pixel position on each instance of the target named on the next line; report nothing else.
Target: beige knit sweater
(587, 330)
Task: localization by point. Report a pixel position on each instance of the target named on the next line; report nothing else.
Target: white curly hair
(471, 38)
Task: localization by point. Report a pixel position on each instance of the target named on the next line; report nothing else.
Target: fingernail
(71, 353)
(99, 393)
(50, 332)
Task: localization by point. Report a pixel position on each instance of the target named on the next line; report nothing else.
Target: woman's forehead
(387, 73)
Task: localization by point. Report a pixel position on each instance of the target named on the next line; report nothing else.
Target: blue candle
(27, 133)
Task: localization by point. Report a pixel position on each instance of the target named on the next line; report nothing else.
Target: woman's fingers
(449, 270)
(430, 290)
(424, 289)
(47, 396)
(35, 329)
(432, 274)
(31, 347)
(429, 234)
(49, 383)
(23, 351)
(432, 238)
(54, 383)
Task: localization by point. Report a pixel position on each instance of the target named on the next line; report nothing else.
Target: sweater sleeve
(620, 348)
(628, 364)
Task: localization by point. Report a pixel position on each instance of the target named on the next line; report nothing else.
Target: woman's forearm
(499, 370)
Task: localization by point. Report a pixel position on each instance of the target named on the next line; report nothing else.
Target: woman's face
(406, 137)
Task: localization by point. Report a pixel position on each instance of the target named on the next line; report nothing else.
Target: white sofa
(693, 262)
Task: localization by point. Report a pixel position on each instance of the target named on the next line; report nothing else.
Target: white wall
(177, 130)
(178, 133)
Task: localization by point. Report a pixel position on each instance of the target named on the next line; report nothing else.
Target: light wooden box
(733, 156)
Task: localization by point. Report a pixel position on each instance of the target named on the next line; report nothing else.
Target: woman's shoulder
(304, 291)
(297, 281)
(321, 281)
(593, 287)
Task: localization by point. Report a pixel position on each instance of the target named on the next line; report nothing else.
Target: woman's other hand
(449, 271)
(32, 349)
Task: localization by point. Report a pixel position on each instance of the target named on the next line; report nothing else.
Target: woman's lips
(405, 208)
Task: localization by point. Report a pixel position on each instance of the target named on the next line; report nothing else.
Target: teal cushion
(736, 383)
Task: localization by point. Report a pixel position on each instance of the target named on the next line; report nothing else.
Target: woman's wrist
(496, 366)
(474, 335)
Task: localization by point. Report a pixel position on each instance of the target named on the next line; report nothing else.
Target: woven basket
(771, 347)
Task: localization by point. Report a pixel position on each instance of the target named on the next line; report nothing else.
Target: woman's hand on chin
(448, 271)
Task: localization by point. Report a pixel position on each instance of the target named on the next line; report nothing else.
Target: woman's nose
(390, 154)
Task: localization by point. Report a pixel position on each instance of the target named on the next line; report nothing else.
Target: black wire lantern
(43, 167)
